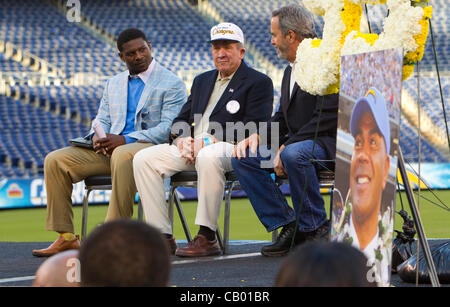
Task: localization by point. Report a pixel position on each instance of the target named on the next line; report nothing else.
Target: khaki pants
(152, 165)
(69, 165)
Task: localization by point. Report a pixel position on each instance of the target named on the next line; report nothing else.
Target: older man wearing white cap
(202, 141)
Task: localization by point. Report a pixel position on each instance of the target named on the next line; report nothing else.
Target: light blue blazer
(163, 96)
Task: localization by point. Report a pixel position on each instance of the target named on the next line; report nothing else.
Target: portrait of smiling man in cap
(367, 150)
(369, 168)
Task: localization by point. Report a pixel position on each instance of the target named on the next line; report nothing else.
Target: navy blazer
(253, 91)
(298, 116)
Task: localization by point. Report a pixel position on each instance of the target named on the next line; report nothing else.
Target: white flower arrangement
(313, 77)
(400, 27)
(317, 63)
(386, 228)
(374, 2)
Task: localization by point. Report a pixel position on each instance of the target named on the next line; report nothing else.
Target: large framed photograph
(366, 156)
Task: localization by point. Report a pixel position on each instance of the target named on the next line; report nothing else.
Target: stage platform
(244, 266)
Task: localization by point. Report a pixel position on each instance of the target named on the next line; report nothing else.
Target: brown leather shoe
(58, 246)
(199, 247)
(172, 244)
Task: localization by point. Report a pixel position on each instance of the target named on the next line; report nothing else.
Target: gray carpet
(244, 266)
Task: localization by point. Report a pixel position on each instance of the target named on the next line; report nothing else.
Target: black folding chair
(189, 179)
(98, 183)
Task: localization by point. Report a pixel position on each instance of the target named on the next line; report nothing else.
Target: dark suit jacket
(298, 116)
(252, 89)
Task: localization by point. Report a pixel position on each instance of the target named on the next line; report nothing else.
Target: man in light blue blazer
(136, 112)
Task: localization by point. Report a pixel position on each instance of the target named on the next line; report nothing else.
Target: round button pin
(233, 106)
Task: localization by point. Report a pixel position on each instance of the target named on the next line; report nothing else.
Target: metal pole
(440, 86)
(419, 142)
(418, 223)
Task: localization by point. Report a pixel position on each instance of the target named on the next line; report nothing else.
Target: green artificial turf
(21, 225)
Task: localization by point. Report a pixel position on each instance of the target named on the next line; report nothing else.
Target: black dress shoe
(284, 241)
(320, 234)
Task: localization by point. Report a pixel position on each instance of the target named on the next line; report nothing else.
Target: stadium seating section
(38, 117)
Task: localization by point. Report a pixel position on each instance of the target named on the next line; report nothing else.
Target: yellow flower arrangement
(412, 57)
(318, 60)
(370, 38)
(351, 16)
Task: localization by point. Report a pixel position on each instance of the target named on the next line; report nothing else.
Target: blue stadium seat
(29, 133)
(430, 99)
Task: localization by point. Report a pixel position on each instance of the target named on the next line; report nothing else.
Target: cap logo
(227, 31)
(373, 93)
(222, 31)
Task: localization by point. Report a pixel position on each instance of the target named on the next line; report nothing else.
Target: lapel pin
(231, 90)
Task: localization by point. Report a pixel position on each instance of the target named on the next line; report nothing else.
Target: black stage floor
(243, 266)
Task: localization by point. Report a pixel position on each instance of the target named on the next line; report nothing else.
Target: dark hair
(124, 253)
(129, 34)
(324, 264)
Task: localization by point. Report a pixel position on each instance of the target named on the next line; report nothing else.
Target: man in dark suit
(300, 117)
(225, 106)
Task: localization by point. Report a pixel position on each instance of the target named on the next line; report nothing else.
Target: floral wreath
(317, 67)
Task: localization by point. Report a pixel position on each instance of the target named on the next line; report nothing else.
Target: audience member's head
(60, 270)
(324, 264)
(124, 253)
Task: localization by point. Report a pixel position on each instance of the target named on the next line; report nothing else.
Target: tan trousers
(69, 165)
(152, 165)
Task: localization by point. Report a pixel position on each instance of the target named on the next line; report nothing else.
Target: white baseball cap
(227, 31)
